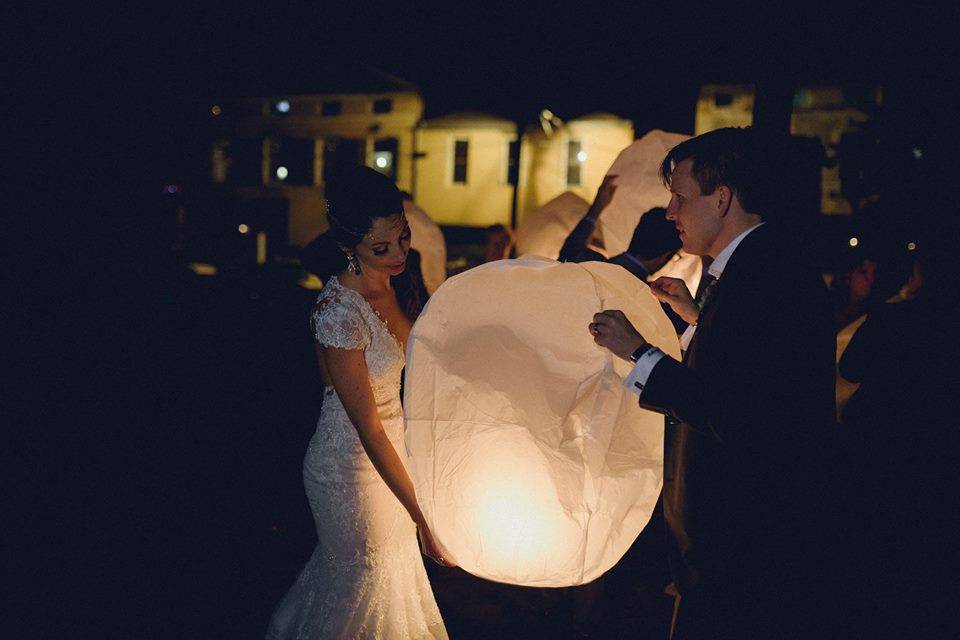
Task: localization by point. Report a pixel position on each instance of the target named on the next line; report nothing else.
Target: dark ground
(174, 503)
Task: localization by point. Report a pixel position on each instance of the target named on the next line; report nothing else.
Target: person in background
(901, 433)
(498, 243)
(852, 292)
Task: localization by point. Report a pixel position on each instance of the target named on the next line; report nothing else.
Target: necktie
(706, 291)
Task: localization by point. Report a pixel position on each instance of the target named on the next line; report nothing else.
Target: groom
(749, 408)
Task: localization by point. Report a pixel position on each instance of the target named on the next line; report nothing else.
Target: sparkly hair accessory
(334, 222)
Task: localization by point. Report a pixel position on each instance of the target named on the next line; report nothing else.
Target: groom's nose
(672, 209)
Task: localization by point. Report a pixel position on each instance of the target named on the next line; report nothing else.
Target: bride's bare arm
(348, 373)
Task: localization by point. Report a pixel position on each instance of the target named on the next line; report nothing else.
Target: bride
(366, 577)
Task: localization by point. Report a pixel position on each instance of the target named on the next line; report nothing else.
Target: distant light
(171, 188)
(283, 106)
(911, 246)
(202, 268)
(282, 173)
(582, 156)
(382, 162)
(216, 110)
(918, 153)
(854, 241)
(243, 228)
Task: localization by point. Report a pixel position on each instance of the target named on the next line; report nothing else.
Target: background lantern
(639, 189)
(532, 464)
(427, 239)
(543, 232)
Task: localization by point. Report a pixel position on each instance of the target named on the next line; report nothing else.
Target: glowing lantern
(543, 231)
(532, 464)
(428, 240)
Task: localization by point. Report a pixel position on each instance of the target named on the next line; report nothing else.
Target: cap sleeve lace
(337, 321)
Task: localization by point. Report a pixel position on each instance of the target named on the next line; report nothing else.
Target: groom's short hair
(737, 157)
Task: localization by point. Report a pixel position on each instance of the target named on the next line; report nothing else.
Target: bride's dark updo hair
(354, 199)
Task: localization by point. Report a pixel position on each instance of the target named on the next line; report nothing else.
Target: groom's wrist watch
(639, 351)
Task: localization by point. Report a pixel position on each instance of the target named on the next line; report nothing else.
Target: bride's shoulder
(337, 317)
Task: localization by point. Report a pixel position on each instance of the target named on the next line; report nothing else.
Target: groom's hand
(612, 330)
(674, 292)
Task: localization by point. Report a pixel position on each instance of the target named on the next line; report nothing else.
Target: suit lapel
(728, 281)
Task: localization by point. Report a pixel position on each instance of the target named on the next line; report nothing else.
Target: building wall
(544, 159)
(486, 197)
(720, 106)
(258, 118)
(822, 112)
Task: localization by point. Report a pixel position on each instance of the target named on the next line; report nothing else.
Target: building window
(575, 158)
(341, 154)
(241, 160)
(723, 99)
(331, 108)
(385, 157)
(460, 148)
(513, 162)
(291, 161)
(384, 105)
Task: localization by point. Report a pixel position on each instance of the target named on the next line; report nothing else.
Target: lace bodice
(342, 318)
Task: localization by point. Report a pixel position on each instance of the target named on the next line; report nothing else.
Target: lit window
(331, 108)
(574, 163)
(239, 162)
(385, 156)
(291, 160)
(460, 148)
(384, 105)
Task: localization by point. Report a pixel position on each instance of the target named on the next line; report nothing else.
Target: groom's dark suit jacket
(749, 415)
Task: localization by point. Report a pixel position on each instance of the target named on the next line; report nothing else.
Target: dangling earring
(353, 264)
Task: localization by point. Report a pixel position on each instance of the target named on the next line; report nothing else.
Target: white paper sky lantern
(428, 240)
(639, 188)
(543, 231)
(532, 464)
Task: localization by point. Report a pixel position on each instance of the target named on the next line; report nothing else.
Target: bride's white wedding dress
(366, 577)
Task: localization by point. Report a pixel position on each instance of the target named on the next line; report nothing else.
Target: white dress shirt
(637, 379)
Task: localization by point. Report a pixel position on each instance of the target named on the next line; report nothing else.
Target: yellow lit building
(556, 157)
(828, 113)
(284, 147)
(822, 112)
(463, 169)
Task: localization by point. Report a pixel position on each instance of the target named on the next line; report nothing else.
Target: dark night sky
(123, 73)
(643, 62)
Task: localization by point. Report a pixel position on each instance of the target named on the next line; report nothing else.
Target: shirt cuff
(637, 379)
(687, 337)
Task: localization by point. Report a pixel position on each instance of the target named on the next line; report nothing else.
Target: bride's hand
(429, 546)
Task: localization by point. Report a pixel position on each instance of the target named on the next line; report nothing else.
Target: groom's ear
(724, 196)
